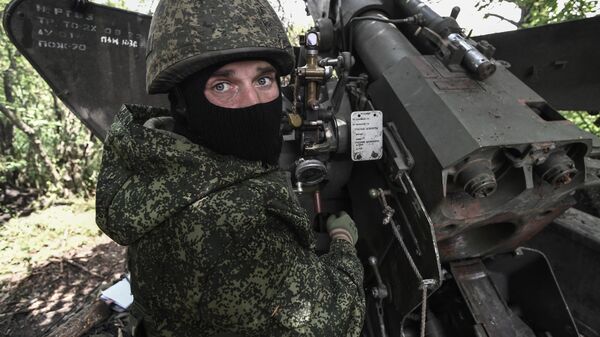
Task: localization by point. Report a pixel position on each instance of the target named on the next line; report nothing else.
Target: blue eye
(221, 87)
(264, 81)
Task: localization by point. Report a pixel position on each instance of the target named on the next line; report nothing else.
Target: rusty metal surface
(92, 59)
(509, 224)
(443, 127)
(561, 62)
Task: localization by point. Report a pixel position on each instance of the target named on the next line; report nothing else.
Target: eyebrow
(264, 70)
(230, 73)
(223, 73)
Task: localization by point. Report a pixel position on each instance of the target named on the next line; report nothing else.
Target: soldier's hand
(342, 227)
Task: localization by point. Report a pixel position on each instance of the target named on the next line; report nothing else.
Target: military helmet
(189, 35)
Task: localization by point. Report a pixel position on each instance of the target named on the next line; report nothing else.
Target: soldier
(218, 244)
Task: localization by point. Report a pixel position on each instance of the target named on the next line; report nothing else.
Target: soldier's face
(242, 84)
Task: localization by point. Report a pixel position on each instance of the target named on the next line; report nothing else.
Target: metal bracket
(535, 155)
(379, 293)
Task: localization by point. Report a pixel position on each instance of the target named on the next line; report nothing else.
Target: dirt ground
(52, 293)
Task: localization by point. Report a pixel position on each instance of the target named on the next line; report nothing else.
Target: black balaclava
(251, 133)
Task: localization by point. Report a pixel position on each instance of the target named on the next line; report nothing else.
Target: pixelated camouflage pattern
(189, 35)
(218, 246)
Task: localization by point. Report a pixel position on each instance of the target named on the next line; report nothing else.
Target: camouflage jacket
(218, 246)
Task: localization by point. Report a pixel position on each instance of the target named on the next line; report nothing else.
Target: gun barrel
(380, 45)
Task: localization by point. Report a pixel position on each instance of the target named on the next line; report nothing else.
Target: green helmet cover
(187, 36)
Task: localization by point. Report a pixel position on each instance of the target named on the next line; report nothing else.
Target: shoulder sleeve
(347, 275)
(322, 296)
(342, 257)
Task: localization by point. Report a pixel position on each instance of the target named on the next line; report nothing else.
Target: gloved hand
(342, 227)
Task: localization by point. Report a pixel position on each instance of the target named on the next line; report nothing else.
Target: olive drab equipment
(189, 35)
(471, 167)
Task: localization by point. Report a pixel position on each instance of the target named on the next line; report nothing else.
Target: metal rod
(317, 202)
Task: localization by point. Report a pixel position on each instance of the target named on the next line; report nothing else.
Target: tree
(540, 12)
(42, 146)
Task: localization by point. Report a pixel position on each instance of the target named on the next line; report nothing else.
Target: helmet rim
(178, 71)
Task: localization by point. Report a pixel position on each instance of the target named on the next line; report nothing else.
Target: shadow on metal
(561, 62)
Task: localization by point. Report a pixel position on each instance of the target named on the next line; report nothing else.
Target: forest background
(49, 161)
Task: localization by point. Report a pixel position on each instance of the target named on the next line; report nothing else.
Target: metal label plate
(366, 134)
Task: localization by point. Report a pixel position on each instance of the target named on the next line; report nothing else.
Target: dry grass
(30, 241)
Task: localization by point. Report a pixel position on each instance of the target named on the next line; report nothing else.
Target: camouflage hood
(148, 174)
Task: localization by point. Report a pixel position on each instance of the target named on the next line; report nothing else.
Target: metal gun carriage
(447, 149)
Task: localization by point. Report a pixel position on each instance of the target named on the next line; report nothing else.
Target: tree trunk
(6, 128)
(14, 121)
(525, 15)
(6, 138)
(36, 144)
(57, 111)
(83, 321)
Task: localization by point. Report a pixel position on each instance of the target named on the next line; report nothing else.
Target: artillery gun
(446, 149)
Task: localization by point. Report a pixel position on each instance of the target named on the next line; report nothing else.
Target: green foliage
(10, 166)
(142, 6)
(583, 120)
(116, 3)
(65, 140)
(541, 12)
(294, 32)
(29, 241)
